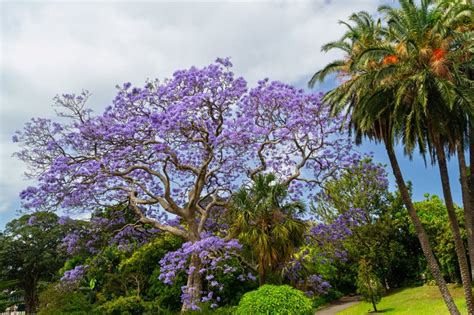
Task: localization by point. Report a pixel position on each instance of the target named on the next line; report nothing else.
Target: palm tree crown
(263, 218)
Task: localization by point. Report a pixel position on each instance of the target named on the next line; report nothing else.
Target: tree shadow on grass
(385, 310)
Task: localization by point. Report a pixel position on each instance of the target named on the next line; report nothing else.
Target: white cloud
(50, 48)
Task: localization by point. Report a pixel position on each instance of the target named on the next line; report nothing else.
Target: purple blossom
(74, 275)
(32, 220)
(213, 253)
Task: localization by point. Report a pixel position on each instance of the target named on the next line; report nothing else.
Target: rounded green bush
(124, 305)
(273, 300)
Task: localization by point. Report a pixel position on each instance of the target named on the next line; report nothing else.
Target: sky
(50, 48)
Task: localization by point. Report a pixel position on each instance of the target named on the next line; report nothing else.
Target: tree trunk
(458, 244)
(374, 305)
(466, 200)
(262, 279)
(192, 291)
(420, 232)
(30, 298)
(471, 176)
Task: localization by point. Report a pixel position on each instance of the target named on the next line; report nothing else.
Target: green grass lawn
(424, 300)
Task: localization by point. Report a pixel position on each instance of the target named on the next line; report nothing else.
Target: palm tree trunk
(471, 175)
(466, 200)
(420, 232)
(458, 244)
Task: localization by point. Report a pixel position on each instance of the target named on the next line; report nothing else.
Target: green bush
(56, 300)
(129, 305)
(331, 296)
(273, 300)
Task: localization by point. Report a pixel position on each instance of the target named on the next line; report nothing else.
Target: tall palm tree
(262, 218)
(431, 104)
(462, 42)
(405, 67)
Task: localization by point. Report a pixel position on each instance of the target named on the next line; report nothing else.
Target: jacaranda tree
(179, 147)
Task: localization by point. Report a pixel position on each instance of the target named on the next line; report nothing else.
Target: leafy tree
(368, 284)
(55, 300)
(262, 218)
(384, 240)
(433, 215)
(179, 147)
(141, 272)
(29, 255)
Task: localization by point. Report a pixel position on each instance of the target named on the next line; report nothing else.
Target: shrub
(129, 305)
(272, 299)
(56, 300)
(331, 296)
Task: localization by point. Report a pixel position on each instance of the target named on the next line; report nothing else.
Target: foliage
(57, 300)
(363, 185)
(123, 273)
(272, 299)
(268, 224)
(4, 301)
(129, 305)
(28, 253)
(433, 215)
(117, 272)
(385, 239)
(368, 284)
(142, 272)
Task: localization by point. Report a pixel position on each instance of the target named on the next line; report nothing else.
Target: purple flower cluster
(338, 230)
(32, 220)
(154, 141)
(211, 252)
(316, 284)
(74, 275)
(302, 278)
(100, 231)
(330, 237)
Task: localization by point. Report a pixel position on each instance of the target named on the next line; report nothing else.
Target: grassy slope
(424, 300)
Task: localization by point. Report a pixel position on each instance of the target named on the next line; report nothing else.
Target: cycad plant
(263, 219)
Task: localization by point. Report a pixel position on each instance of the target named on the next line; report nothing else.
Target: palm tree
(263, 219)
(403, 68)
(432, 109)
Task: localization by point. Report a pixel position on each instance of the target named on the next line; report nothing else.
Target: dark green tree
(433, 215)
(29, 255)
